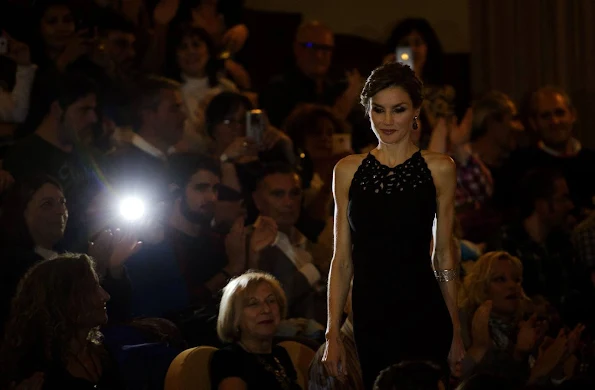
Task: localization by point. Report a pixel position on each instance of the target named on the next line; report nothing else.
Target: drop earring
(415, 126)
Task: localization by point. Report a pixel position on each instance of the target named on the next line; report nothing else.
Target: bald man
(307, 81)
(552, 118)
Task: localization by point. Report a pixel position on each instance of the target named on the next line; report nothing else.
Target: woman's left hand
(457, 351)
(235, 38)
(165, 11)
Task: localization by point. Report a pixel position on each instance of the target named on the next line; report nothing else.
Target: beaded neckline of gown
(396, 167)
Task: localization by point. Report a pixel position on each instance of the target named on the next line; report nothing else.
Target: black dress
(273, 371)
(398, 309)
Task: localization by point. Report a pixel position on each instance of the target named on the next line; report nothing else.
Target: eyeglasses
(229, 122)
(317, 46)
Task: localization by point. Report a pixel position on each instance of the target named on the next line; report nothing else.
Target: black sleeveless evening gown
(398, 309)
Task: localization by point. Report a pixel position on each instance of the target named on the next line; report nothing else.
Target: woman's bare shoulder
(347, 166)
(438, 162)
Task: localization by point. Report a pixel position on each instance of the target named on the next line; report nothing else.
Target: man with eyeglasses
(308, 81)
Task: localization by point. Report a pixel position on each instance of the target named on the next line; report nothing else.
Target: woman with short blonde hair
(235, 293)
(252, 306)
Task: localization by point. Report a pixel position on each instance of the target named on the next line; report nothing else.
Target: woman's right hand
(334, 357)
(76, 47)
(241, 147)
(551, 353)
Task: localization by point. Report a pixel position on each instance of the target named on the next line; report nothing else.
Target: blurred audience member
(56, 41)
(500, 336)
(189, 264)
(492, 137)
(308, 81)
(540, 236)
(251, 308)
(277, 247)
(194, 62)
(314, 130)
(411, 376)
(489, 382)
(492, 303)
(59, 148)
(33, 221)
(53, 328)
(241, 156)
(583, 239)
(553, 117)
(222, 20)
(140, 169)
(439, 98)
(14, 105)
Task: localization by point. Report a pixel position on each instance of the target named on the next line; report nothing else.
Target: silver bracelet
(446, 275)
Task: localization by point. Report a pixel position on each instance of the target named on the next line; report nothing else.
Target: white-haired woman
(251, 308)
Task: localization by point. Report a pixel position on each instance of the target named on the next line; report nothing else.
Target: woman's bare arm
(445, 179)
(341, 270)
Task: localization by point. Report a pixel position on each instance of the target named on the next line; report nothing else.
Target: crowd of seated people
(140, 217)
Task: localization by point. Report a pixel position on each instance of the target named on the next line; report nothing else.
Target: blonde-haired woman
(492, 305)
(251, 309)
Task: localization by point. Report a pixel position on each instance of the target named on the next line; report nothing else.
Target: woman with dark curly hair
(53, 328)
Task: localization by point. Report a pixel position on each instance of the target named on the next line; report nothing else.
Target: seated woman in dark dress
(53, 328)
(251, 308)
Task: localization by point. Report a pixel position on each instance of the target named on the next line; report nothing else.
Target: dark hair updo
(393, 74)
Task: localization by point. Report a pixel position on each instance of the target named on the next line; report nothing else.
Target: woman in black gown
(404, 307)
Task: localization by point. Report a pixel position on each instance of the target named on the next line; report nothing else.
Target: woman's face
(319, 141)
(232, 127)
(57, 27)
(418, 47)
(97, 309)
(391, 115)
(260, 315)
(193, 56)
(46, 215)
(504, 287)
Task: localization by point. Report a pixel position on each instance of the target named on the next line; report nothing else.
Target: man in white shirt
(280, 249)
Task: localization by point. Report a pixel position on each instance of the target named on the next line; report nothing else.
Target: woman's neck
(395, 154)
(41, 242)
(504, 317)
(79, 344)
(256, 345)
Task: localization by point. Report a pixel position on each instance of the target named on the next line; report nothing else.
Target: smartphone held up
(405, 56)
(255, 125)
